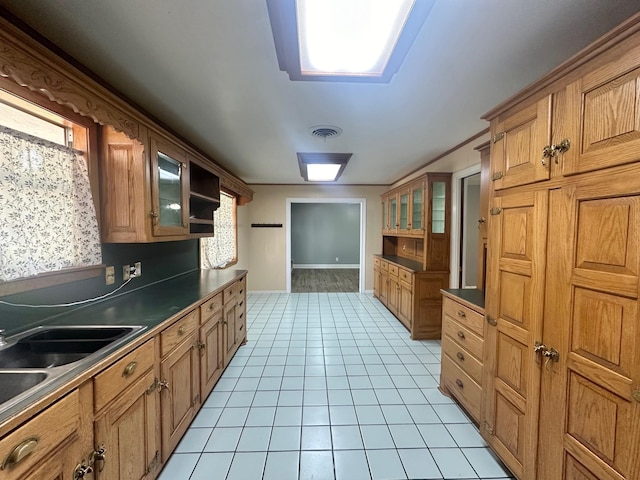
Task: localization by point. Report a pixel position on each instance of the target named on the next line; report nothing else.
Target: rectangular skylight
(350, 38)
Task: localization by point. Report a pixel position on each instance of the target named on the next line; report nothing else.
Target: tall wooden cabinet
(562, 346)
(414, 264)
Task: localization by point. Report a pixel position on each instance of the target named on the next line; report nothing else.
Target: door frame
(363, 228)
(456, 219)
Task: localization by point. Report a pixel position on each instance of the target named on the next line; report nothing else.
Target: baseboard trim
(324, 266)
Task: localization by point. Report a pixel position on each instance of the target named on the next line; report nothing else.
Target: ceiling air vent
(325, 131)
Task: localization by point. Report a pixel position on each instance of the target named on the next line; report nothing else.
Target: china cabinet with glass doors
(414, 264)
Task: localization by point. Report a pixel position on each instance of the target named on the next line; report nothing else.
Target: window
(47, 211)
(220, 251)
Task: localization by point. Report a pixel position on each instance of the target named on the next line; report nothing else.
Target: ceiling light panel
(356, 38)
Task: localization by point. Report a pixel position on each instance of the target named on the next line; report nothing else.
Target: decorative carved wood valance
(32, 65)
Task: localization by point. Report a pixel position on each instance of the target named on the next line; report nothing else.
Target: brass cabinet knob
(129, 369)
(461, 335)
(181, 330)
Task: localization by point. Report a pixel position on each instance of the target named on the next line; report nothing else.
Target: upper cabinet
(169, 188)
(154, 190)
(403, 210)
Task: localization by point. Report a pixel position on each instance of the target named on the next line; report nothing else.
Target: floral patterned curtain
(47, 216)
(217, 251)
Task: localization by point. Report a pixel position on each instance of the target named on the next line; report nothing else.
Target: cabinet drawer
(172, 336)
(376, 262)
(242, 286)
(230, 292)
(406, 276)
(463, 337)
(393, 269)
(384, 265)
(42, 435)
(466, 316)
(461, 357)
(210, 308)
(114, 380)
(461, 386)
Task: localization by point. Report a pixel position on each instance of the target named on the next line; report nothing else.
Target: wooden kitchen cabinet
(462, 352)
(48, 446)
(414, 264)
(180, 380)
(211, 344)
(562, 361)
(154, 190)
(127, 423)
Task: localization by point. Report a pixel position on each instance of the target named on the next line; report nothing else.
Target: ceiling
(208, 69)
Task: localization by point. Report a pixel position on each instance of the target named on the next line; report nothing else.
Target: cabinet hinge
(491, 321)
(496, 176)
(636, 395)
(154, 463)
(495, 211)
(498, 136)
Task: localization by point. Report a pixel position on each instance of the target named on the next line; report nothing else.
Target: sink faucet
(3, 340)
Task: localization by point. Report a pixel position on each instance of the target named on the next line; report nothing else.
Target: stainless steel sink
(54, 347)
(48, 356)
(16, 383)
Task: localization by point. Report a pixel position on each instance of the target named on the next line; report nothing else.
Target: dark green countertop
(470, 295)
(149, 306)
(412, 265)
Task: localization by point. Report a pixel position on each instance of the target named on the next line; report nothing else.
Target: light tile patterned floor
(329, 386)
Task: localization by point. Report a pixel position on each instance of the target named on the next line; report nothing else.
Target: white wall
(263, 250)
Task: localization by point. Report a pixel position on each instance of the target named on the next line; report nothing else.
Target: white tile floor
(329, 386)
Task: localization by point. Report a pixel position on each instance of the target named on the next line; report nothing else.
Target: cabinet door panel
(229, 331)
(129, 430)
(594, 287)
(517, 156)
(516, 273)
(211, 359)
(179, 401)
(604, 114)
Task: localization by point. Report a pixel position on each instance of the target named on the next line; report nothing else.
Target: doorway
(464, 227)
(325, 244)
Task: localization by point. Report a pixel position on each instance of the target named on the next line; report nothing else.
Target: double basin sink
(45, 356)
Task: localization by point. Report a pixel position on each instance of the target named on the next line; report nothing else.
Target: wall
(159, 261)
(267, 246)
(322, 232)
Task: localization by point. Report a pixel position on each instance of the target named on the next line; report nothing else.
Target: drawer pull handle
(181, 330)
(461, 335)
(201, 345)
(459, 383)
(20, 452)
(129, 369)
(460, 356)
(461, 314)
(211, 307)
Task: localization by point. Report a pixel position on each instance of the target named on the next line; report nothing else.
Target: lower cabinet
(413, 296)
(180, 395)
(125, 421)
(129, 432)
(462, 353)
(47, 447)
(127, 418)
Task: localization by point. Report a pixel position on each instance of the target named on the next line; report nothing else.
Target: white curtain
(217, 251)
(47, 216)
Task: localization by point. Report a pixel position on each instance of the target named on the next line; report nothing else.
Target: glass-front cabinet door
(393, 213)
(169, 189)
(417, 209)
(438, 207)
(403, 221)
(385, 214)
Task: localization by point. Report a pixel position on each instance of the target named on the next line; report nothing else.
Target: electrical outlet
(126, 272)
(138, 266)
(110, 275)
